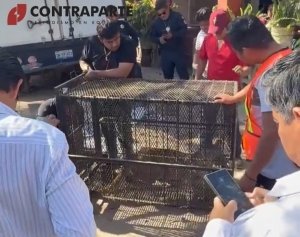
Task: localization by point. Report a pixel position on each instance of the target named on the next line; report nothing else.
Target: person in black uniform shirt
(168, 31)
(112, 55)
(125, 28)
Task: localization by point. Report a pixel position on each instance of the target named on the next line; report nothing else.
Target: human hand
(162, 40)
(223, 212)
(91, 74)
(168, 35)
(53, 120)
(259, 196)
(242, 71)
(224, 99)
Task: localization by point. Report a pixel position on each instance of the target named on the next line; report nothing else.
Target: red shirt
(220, 61)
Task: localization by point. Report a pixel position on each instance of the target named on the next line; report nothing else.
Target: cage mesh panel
(197, 91)
(172, 122)
(149, 183)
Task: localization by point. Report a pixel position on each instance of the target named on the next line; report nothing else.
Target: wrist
(250, 177)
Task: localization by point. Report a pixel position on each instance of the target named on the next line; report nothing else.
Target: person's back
(41, 194)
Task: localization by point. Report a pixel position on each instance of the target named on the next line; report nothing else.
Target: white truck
(46, 34)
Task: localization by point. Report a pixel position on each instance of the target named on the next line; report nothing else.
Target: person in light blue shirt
(276, 213)
(40, 193)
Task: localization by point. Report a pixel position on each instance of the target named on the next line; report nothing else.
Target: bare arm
(228, 99)
(122, 71)
(200, 69)
(195, 59)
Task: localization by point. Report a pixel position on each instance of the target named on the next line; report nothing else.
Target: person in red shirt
(223, 64)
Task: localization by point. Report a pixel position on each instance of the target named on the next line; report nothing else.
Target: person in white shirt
(276, 212)
(202, 17)
(40, 193)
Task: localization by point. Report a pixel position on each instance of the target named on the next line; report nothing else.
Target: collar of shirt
(4, 109)
(286, 186)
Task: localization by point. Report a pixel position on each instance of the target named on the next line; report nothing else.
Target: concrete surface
(115, 219)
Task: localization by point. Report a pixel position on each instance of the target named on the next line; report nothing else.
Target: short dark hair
(203, 14)
(283, 85)
(159, 4)
(112, 10)
(248, 32)
(108, 30)
(10, 70)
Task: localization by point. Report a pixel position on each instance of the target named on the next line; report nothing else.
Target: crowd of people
(41, 194)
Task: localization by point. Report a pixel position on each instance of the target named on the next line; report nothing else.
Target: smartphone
(225, 187)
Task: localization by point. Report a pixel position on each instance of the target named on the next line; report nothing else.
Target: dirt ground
(124, 219)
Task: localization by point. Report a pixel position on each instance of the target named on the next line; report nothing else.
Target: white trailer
(46, 34)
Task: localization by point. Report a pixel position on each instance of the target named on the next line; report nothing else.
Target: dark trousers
(172, 60)
(211, 115)
(264, 182)
(115, 123)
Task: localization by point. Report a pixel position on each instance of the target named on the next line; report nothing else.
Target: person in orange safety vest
(254, 45)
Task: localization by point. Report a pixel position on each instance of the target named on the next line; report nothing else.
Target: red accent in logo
(16, 14)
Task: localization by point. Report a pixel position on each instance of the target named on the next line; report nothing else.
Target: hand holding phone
(224, 186)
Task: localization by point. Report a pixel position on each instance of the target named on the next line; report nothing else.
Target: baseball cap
(218, 21)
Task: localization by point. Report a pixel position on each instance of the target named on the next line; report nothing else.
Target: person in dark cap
(125, 28)
(110, 54)
(168, 31)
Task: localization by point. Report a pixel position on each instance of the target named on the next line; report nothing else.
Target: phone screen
(227, 189)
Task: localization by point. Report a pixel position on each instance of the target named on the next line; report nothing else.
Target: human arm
(181, 28)
(125, 58)
(202, 61)
(232, 99)
(200, 69)
(243, 71)
(195, 60)
(220, 219)
(264, 151)
(67, 197)
(198, 43)
(85, 61)
(122, 71)
(155, 36)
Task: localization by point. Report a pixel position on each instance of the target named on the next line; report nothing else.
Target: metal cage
(150, 141)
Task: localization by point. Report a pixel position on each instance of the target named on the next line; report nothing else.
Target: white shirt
(275, 219)
(40, 193)
(199, 41)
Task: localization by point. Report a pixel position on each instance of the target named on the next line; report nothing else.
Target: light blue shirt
(40, 193)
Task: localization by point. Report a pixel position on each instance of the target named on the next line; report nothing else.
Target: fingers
(232, 206)
(218, 202)
(218, 98)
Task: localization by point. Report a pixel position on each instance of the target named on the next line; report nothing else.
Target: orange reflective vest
(253, 129)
